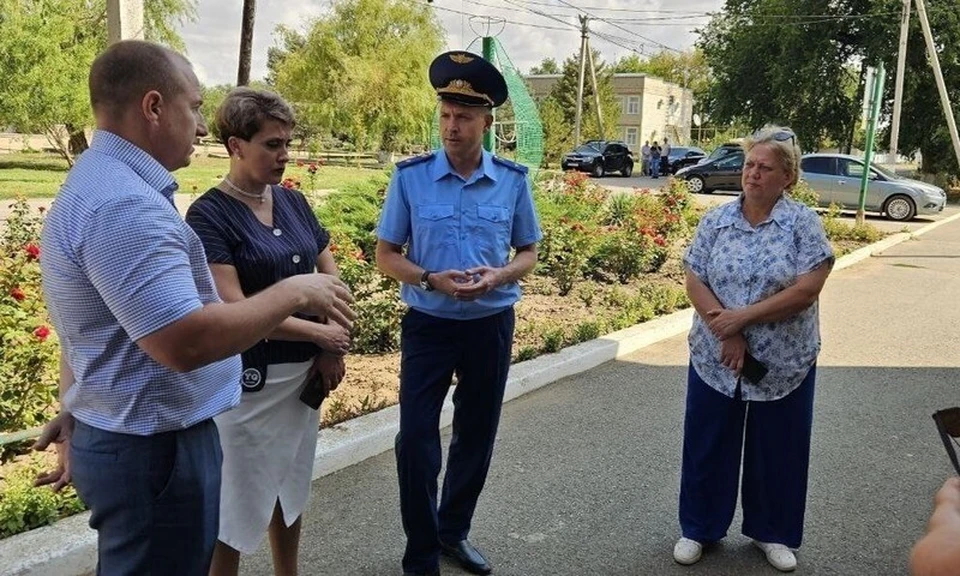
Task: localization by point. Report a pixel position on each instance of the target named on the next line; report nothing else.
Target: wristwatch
(425, 281)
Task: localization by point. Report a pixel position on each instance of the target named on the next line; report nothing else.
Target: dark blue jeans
(154, 500)
(432, 349)
(774, 440)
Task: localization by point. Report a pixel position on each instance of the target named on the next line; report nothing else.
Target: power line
(528, 24)
(602, 9)
(513, 9)
(616, 41)
(700, 12)
(593, 17)
(538, 13)
(603, 37)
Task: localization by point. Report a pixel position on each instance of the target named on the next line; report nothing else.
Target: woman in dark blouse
(255, 234)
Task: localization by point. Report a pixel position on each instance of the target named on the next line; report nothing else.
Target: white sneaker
(687, 551)
(778, 555)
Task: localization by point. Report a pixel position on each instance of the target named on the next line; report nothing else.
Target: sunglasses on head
(783, 136)
(948, 424)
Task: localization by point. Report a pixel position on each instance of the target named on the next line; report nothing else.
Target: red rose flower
(33, 251)
(300, 163)
(41, 333)
(17, 294)
(660, 241)
(312, 168)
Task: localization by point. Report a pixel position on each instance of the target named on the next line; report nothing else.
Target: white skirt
(268, 442)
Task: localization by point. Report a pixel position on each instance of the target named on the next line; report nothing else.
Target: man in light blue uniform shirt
(458, 211)
(148, 351)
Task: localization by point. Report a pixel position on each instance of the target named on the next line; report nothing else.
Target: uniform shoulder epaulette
(415, 160)
(511, 164)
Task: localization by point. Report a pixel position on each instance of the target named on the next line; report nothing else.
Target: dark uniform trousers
(432, 349)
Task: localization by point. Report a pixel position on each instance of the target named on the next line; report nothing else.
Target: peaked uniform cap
(468, 79)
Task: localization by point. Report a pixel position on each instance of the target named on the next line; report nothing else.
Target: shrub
(572, 196)
(24, 507)
(378, 306)
(354, 211)
(662, 298)
(587, 330)
(624, 252)
(553, 340)
(28, 350)
(616, 298)
(587, 292)
(563, 252)
(620, 209)
(804, 194)
(838, 231)
(377, 328)
(339, 410)
(526, 353)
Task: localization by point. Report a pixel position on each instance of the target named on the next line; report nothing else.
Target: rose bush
(28, 348)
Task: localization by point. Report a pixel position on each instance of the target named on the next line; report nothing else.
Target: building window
(633, 105)
(630, 137)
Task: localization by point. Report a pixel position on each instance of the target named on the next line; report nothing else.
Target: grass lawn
(40, 175)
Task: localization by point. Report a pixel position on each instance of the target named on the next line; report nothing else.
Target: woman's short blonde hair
(245, 110)
(783, 142)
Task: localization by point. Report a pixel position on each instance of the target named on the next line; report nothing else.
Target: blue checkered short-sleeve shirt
(118, 264)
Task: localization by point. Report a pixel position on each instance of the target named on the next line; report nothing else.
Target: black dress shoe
(468, 556)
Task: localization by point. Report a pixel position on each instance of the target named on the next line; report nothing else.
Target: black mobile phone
(313, 393)
(753, 369)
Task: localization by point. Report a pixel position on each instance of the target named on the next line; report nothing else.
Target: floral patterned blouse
(742, 265)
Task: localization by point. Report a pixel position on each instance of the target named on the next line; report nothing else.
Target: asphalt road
(585, 477)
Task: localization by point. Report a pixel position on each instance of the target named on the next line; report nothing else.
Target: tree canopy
(46, 49)
(802, 62)
(360, 72)
(547, 66)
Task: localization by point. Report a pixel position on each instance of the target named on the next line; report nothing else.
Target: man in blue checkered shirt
(148, 350)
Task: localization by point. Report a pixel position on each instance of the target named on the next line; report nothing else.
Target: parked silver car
(836, 178)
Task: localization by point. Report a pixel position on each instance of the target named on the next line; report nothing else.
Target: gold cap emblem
(461, 58)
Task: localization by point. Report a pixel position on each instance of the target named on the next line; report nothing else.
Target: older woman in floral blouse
(754, 274)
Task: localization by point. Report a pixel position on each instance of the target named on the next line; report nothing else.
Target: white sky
(213, 40)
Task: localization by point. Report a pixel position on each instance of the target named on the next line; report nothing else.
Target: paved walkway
(585, 477)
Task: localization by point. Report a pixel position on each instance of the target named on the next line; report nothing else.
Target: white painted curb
(68, 548)
(890, 241)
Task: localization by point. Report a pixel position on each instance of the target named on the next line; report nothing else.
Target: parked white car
(836, 178)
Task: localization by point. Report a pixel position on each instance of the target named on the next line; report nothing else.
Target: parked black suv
(600, 157)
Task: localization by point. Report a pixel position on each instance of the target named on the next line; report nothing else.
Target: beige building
(650, 108)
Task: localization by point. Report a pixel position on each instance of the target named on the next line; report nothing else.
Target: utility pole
(596, 91)
(898, 86)
(938, 75)
(583, 63)
(124, 20)
(246, 41)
